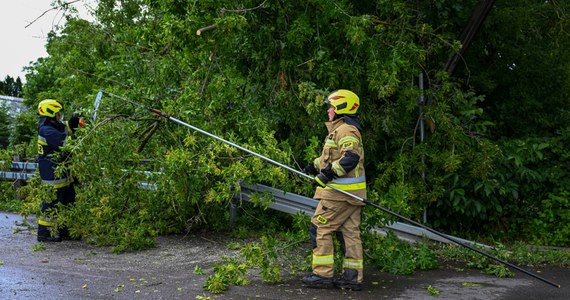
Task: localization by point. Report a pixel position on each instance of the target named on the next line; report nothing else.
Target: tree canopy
(496, 161)
(4, 126)
(11, 87)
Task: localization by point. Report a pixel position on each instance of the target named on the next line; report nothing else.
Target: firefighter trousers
(65, 196)
(344, 219)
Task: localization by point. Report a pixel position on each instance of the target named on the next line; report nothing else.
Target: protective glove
(76, 121)
(321, 180)
(324, 177)
(310, 169)
(73, 122)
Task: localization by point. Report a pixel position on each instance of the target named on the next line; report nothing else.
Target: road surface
(77, 270)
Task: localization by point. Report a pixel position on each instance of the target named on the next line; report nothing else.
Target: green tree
(5, 122)
(521, 64)
(11, 87)
(518, 62)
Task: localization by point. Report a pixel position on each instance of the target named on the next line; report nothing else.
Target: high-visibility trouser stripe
(353, 263)
(46, 222)
(337, 168)
(323, 259)
(59, 183)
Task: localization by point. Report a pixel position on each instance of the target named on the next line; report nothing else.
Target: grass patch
(39, 247)
(519, 253)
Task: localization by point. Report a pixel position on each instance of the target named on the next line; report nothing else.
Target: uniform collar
(343, 120)
(352, 120)
(42, 121)
(334, 124)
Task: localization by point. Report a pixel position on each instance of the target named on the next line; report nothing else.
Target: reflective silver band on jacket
(349, 180)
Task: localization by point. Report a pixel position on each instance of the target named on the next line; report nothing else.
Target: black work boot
(64, 234)
(49, 238)
(316, 281)
(348, 280)
(44, 235)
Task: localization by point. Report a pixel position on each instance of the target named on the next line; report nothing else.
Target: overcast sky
(20, 45)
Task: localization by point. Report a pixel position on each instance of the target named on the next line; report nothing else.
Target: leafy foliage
(397, 257)
(432, 291)
(519, 253)
(275, 253)
(526, 87)
(39, 247)
(231, 272)
(554, 210)
(8, 200)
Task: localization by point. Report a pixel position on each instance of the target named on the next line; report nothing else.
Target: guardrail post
(18, 183)
(233, 212)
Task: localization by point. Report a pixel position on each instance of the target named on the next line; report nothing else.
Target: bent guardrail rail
(293, 204)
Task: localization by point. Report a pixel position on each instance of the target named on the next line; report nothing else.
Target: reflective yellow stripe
(323, 260)
(347, 187)
(348, 139)
(317, 163)
(353, 263)
(338, 170)
(319, 181)
(348, 142)
(59, 183)
(348, 184)
(46, 222)
(330, 144)
(68, 131)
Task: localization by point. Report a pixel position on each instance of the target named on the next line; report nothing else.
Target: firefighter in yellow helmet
(341, 165)
(52, 135)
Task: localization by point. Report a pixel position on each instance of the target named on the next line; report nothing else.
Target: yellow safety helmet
(344, 102)
(49, 107)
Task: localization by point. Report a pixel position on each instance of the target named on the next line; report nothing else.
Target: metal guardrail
(4, 175)
(24, 166)
(15, 105)
(25, 171)
(289, 203)
(293, 204)
(285, 202)
(19, 171)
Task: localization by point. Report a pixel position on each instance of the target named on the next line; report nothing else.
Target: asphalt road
(77, 270)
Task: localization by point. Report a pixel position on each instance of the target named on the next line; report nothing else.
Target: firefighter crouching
(341, 165)
(52, 135)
